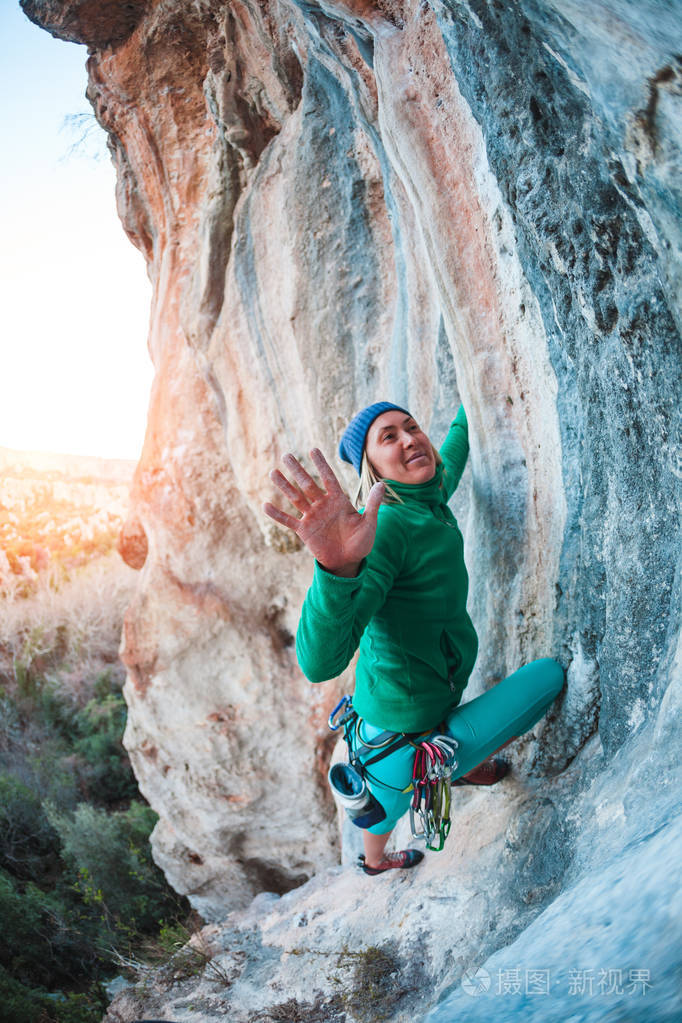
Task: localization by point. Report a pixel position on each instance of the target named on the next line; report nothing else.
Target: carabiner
(344, 702)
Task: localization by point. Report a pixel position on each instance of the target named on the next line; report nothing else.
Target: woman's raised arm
(336, 534)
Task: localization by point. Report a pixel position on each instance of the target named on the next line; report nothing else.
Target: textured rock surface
(344, 200)
(345, 947)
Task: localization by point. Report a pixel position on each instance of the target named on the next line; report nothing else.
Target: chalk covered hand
(330, 527)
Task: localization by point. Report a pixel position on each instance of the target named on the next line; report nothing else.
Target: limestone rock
(132, 543)
(420, 201)
(551, 900)
(98, 23)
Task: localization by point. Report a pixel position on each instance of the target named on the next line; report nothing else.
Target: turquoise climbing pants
(480, 727)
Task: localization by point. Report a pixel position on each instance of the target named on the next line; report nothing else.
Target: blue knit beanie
(353, 441)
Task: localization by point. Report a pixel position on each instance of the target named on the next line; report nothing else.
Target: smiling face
(399, 450)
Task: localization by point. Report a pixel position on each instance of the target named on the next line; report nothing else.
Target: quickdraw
(434, 762)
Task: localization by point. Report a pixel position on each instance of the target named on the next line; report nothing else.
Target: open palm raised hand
(330, 527)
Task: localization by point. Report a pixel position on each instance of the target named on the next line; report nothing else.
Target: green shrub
(78, 749)
(48, 938)
(83, 1007)
(10, 722)
(21, 914)
(20, 1004)
(105, 684)
(106, 775)
(110, 856)
(53, 708)
(24, 1004)
(40, 702)
(29, 845)
(42, 763)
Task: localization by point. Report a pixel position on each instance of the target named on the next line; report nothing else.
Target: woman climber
(391, 579)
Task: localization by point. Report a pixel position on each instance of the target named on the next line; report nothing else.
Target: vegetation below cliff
(79, 891)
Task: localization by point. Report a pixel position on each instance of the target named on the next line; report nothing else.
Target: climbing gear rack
(434, 762)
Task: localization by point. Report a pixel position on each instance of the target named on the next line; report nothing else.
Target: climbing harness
(434, 762)
(347, 781)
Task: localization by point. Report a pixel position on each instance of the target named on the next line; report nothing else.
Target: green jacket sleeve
(454, 452)
(336, 611)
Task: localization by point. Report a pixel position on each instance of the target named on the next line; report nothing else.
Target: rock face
(423, 201)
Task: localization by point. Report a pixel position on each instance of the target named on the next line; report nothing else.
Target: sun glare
(57, 514)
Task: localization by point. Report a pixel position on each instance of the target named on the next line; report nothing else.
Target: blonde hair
(369, 476)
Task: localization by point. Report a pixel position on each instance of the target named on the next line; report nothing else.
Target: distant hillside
(57, 512)
(74, 467)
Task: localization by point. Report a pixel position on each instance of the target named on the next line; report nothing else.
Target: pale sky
(74, 294)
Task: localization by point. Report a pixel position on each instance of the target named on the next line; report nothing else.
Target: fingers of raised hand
(304, 481)
(292, 493)
(280, 516)
(374, 499)
(326, 472)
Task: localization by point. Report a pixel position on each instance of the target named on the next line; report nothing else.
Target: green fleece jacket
(406, 608)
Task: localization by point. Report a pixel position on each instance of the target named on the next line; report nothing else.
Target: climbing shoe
(393, 861)
(487, 773)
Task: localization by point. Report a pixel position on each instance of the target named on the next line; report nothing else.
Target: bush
(65, 748)
(24, 1004)
(107, 777)
(20, 1004)
(83, 1007)
(21, 933)
(29, 845)
(77, 881)
(110, 857)
(47, 938)
(39, 704)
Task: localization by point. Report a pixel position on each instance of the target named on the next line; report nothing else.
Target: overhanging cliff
(418, 200)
